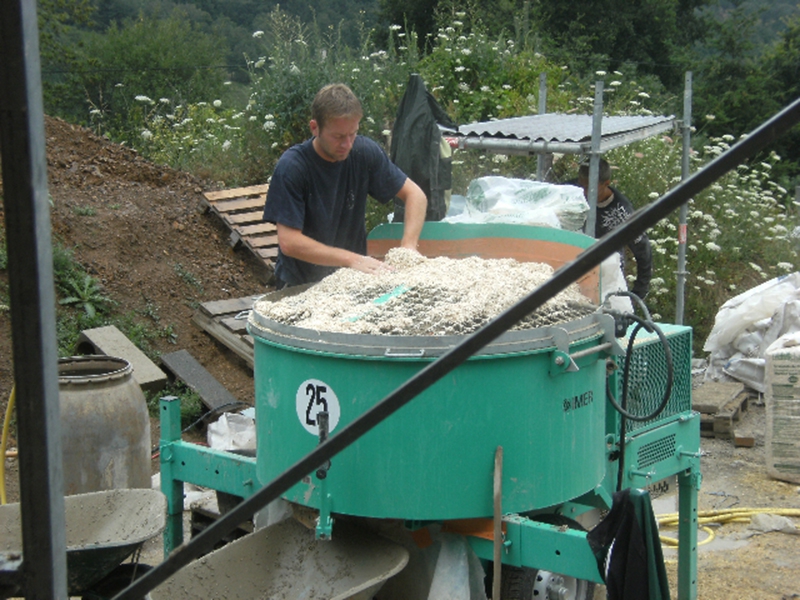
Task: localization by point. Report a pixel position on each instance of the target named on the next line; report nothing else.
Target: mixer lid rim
(398, 346)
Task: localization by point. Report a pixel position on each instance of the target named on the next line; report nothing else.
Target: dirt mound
(140, 230)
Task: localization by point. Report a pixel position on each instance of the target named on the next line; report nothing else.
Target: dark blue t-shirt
(327, 200)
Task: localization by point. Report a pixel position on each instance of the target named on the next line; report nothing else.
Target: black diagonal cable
(565, 276)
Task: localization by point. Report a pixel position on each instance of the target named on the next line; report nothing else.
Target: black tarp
(417, 148)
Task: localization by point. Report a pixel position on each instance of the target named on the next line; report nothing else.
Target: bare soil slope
(140, 231)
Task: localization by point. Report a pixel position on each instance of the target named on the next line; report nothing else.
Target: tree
(783, 64)
(730, 82)
(59, 30)
(148, 57)
(413, 15)
(645, 32)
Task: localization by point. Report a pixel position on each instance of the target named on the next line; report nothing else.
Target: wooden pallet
(241, 210)
(721, 406)
(226, 321)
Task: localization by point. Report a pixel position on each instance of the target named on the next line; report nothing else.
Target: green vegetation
(85, 211)
(196, 108)
(86, 293)
(192, 407)
(188, 277)
(83, 304)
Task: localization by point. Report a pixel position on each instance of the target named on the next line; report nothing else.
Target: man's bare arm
(293, 242)
(416, 206)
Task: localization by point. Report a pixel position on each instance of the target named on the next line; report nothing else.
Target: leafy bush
(118, 67)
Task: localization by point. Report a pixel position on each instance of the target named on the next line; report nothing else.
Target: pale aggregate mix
(424, 296)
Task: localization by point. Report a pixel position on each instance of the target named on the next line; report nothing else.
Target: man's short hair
(335, 100)
(603, 174)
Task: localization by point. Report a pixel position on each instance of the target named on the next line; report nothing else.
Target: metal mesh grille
(656, 451)
(648, 375)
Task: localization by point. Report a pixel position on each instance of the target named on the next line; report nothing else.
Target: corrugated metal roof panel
(554, 127)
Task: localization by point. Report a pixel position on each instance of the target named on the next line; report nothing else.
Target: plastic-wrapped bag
(747, 324)
(612, 280)
(782, 396)
(523, 201)
(741, 312)
(232, 431)
(458, 574)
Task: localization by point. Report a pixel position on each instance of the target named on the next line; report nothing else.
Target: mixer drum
(434, 458)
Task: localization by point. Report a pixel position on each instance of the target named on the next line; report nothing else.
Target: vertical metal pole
(170, 421)
(682, 226)
(594, 160)
(540, 158)
(32, 299)
(688, 484)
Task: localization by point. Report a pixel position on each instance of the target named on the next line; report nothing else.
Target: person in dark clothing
(317, 197)
(613, 209)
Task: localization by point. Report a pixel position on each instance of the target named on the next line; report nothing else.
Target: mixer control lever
(322, 423)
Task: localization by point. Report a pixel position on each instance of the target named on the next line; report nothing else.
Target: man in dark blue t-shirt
(317, 197)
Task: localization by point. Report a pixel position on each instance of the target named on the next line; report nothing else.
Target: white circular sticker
(313, 397)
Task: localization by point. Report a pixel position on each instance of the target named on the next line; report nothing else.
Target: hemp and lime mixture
(424, 296)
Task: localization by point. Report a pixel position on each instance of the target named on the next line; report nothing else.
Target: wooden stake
(498, 522)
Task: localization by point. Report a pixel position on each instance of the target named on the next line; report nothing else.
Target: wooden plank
(730, 413)
(235, 343)
(237, 192)
(241, 210)
(258, 229)
(230, 307)
(710, 397)
(234, 325)
(243, 218)
(230, 206)
(111, 341)
(264, 241)
(184, 367)
(267, 253)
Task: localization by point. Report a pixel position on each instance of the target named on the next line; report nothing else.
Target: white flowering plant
(739, 229)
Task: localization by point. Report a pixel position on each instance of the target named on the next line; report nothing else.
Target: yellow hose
(731, 515)
(4, 442)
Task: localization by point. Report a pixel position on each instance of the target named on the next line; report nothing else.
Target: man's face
(603, 191)
(334, 141)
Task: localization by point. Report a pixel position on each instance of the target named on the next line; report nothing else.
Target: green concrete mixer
(517, 451)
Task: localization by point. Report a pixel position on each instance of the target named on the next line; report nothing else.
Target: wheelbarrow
(102, 530)
(285, 560)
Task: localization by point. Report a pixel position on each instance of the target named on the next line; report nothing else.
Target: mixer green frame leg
(688, 486)
(184, 462)
(170, 408)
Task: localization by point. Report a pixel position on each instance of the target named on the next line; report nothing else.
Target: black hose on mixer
(621, 407)
(650, 327)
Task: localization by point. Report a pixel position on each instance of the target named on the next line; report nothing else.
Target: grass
(192, 407)
(85, 211)
(188, 277)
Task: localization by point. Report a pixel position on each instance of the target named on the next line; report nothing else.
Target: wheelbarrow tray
(285, 561)
(102, 529)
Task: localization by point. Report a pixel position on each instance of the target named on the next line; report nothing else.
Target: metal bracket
(560, 361)
(608, 324)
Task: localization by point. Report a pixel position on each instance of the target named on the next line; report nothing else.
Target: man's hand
(373, 266)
